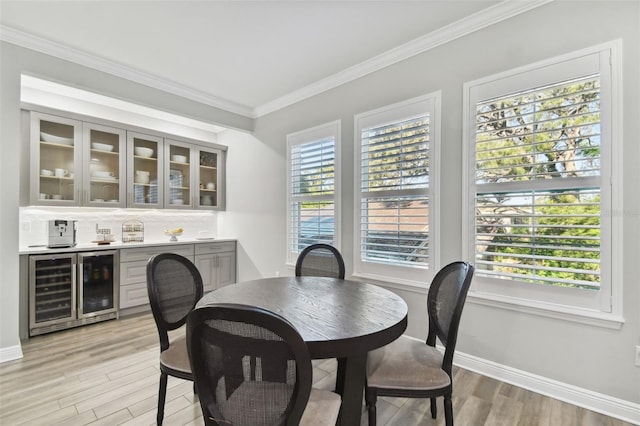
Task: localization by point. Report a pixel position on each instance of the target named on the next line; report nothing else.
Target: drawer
(144, 253)
(207, 248)
(136, 272)
(133, 295)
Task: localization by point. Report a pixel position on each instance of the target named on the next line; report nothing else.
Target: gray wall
(589, 357)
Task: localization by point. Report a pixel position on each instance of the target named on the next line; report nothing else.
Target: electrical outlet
(26, 226)
(637, 355)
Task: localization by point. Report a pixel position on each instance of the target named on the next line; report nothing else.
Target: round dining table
(337, 318)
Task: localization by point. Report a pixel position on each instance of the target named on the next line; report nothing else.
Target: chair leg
(340, 376)
(448, 410)
(162, 394)
(370, 400)
(434, 408)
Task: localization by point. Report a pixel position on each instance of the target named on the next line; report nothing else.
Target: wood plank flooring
(107, 374)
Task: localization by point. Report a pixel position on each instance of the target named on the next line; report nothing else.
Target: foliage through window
(549, 139)
(541, 183)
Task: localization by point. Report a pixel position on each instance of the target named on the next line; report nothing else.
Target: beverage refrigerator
(72, 289)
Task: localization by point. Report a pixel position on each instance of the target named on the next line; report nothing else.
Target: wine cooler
(72, 289)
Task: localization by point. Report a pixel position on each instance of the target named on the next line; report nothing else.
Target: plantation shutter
(537, 185)
(394, 180)
(312, 206)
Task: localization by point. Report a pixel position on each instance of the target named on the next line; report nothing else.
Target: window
(540, 147)
(394, 163)
(313, 188)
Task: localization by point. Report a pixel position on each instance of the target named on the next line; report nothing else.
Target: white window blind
(312, 190)
(394, 182)
(537, 185)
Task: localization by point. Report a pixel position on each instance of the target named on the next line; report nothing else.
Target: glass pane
(546, 133)
(104, 167)
(179, 175)
(396, 156)
(53, 289)
(97, 283)
(208, 178)
(540, 237)
(395, 230)
(57, 165)
(312, 222)
(145, 171)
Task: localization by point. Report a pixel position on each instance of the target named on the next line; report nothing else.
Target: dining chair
(320, 260)
(412, 369)
(252, 367)
(174, 286)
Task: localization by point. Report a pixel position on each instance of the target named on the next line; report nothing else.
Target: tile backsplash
(33, 222)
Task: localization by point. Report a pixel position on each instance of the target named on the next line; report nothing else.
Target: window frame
(312, 135)
(411, 277)
(567, 303)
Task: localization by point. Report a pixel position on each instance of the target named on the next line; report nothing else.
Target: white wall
(589, 357)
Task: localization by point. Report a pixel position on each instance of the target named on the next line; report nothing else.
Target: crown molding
(61, 51)
(485, 18)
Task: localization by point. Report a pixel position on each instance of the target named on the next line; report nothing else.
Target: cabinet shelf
(56, 145)
(102, 152)
(139, 157)
(111, 181)
(57, 177)
(208, 167)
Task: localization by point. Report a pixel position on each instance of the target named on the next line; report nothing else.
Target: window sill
(395, 283)
(593, 318)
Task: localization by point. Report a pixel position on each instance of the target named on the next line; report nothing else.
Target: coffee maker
(62, 233)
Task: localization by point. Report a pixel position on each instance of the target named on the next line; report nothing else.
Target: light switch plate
(637, 355)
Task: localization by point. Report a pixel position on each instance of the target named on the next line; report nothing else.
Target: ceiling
(248, 57)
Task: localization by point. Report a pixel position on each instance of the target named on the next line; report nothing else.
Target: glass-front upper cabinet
(209, 178)
(179, 176)
(104, 168)
(144, 170)
(56, 167)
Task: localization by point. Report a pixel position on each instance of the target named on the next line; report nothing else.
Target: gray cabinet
(145, 170)
(216, 262)
(78, 163)
(56, 160)
(133, 272)
(104, 166)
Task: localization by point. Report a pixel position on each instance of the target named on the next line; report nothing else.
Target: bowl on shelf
(173, 236)
(102, 146)
(102, 174)
(142, 151)
(55, 139)
(179, 158)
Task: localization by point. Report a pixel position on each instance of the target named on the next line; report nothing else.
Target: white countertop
(116, 245)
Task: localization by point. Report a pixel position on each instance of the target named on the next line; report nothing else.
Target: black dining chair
(174, 286)
(320, 260)
(413, 369)
(252, 367)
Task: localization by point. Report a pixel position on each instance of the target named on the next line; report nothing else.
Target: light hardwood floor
(107, 374)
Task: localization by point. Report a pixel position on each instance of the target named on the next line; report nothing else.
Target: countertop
(116, 245)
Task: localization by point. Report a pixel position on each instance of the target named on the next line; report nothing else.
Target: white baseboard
(604, 404)
(10, 353)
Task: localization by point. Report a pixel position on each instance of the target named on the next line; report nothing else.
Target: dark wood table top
(335, 317)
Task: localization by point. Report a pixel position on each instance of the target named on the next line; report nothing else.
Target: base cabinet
(133, 272)
(216, 263)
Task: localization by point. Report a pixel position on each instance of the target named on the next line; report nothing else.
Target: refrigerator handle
(76, 311)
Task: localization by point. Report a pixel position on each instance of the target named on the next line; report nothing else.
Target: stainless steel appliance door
(98, 283)
(52, 289)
